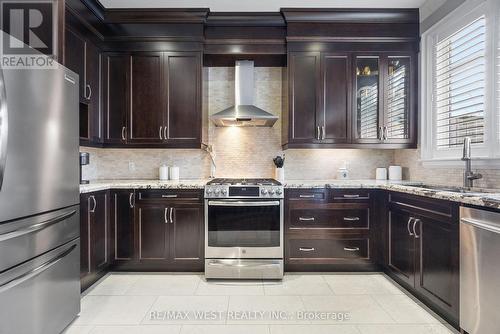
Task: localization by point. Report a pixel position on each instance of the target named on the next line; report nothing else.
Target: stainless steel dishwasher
(479, 271)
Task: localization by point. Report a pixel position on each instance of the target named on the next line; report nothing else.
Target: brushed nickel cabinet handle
(123, 133)
(351, 219)
(306, 249)
(351, 249)
(380, 134)
(168, 196)
(87, 87)
(306, 196)
(306, 219)
(318, 132)
(323, 133)
(95, 204)
(408, 226)
(351, 196)
(161, 132)
(130, 200)
(165, 132)
(386, 132)
(171, 215)
(415, 222)
(165, 215)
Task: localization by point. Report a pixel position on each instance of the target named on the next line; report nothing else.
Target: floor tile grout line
(383, 308)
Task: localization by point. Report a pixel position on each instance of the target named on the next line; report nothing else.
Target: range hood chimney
(244, 113)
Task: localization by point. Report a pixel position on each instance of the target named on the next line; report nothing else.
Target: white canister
(280, 174)
(395, 173)
(381, 173)
(174, 173)
(163, 173)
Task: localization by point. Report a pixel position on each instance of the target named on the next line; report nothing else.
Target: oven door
(250, 229)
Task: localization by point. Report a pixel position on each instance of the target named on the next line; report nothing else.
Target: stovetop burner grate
(243, 182)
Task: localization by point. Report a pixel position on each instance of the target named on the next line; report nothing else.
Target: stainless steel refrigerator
(39, 200)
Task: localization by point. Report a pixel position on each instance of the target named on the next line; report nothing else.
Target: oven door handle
(243, 203)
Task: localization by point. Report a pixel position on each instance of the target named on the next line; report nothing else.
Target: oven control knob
(223, 191)
(217, 191)
(209, 191)
(263, 191)
(278, 191)
(271, 192)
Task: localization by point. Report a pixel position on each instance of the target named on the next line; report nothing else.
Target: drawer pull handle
(168, 196)
(351, 219)
(306, 219)
(306, 249)
(306, 196)
(351, 196)
(351, 249)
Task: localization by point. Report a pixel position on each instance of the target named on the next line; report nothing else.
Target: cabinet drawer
(329, 218)
(169, 194)
(349, 195)
(329, 248)
(306, 194)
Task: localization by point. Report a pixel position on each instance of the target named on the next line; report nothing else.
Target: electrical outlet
(131, 166)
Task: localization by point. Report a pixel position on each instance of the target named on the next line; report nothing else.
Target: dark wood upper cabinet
(92, 91)
(84, 58)
(303, 81)
(349, 99)
(367, 101)
(146, 117)
(117, 95)
(400, 115)
(183, 118)
(334, 114)
(74, 57)
(153, 99)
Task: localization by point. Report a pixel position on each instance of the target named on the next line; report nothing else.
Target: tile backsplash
(413, 170)
(240, 152)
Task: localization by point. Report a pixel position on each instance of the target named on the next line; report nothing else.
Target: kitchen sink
(460, 190)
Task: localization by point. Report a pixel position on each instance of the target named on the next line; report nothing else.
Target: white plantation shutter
(459, 86)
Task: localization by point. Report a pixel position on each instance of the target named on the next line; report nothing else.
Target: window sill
(489, 163)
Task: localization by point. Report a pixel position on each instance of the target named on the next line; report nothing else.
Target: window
(460, 80)
(459, 86)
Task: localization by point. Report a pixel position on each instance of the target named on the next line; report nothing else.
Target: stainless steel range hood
(244, 113)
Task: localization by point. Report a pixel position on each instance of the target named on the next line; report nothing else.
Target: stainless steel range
(244, 229)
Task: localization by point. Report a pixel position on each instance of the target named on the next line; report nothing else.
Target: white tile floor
(180, 304)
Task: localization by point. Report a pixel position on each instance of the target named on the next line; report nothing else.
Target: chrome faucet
(469, 175)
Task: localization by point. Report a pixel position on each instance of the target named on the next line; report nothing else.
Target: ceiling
(260, 5)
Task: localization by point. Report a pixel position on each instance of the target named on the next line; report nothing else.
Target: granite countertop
(142, 184)
(479, 197)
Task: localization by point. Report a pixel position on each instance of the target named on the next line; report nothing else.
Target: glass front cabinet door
(383, 100)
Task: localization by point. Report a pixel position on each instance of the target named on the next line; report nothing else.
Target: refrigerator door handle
(36, 271)
(4, 127)
(36, 227)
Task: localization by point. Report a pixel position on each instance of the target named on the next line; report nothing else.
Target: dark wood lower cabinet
(328, 230)
(401, 252)
(153, 233)
(423, 251)
(94, 234)
(122, 225)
